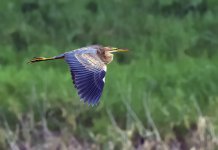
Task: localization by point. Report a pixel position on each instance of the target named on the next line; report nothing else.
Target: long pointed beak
(119, 50)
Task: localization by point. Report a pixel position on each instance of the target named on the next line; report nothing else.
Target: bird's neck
(109, 59)
(106, 57)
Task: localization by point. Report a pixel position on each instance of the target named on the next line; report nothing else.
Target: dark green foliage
(171, 63)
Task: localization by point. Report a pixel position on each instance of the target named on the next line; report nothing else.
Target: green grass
(169, 86)
(171, 64)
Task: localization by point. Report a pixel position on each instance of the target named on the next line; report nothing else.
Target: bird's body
(88, 69)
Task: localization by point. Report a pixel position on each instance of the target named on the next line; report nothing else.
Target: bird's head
(106, 53)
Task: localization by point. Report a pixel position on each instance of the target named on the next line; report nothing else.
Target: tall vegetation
(171, 67)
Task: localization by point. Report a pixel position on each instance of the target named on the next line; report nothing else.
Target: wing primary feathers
(87, 72)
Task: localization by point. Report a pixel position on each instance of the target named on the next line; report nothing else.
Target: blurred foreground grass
(163, 86)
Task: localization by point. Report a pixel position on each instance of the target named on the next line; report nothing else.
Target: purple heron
(88, 66)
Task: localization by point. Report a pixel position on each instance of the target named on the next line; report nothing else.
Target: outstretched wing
(88, 73)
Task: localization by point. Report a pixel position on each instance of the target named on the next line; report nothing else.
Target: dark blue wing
(88, 73)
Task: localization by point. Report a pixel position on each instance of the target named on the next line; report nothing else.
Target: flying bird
(88, 66)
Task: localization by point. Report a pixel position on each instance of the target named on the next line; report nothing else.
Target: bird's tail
(37, 59)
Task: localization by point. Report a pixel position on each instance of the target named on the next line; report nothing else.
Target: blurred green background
(170, 70)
